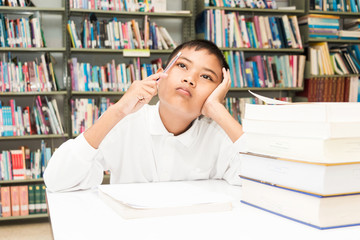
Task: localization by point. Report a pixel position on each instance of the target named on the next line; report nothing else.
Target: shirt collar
(157, 127)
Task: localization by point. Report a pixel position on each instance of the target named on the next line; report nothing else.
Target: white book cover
(312, 210)
(338, 150)
(315, 178)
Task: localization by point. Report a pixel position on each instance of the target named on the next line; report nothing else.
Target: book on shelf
(5, 201)
(116, 34)
(20, 164)
(124, 5)
(265, 71)
(15, 3)
(262, 4)
(336, 6)
(85, 112)
(322, 212)
(140, 200)
(109, 77)
(43, 119)
(23, 200)
(22, 32)
(331, 89)
(231, 29)
(315, 178)
(15, 201)
(321, 25)
(30, 76)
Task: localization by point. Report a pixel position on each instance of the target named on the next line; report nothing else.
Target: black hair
(200, 44)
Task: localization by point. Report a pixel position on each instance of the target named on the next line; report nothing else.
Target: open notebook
(139, 200)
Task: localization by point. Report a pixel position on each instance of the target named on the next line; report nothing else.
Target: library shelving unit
(271, 91)
(56, 14)
(331, 42)
(92, 55)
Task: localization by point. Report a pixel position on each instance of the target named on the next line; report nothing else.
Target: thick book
(141, 200)
(322, 212)
(332, 150)
(314, 112)
(311, 177)
(323, 130)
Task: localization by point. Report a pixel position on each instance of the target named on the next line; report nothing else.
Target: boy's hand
(139, 94)
(217, 97)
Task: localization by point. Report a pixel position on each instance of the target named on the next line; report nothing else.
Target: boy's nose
(189, 81)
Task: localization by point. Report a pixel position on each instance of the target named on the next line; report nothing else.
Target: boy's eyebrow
(206, 69)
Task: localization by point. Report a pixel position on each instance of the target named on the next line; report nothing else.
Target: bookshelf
(312, 82)
(180, 15)
(52, 19)
(241, 92)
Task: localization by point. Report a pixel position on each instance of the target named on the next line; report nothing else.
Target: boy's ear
(160, 70)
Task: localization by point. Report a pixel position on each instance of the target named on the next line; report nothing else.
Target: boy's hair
(200, 44)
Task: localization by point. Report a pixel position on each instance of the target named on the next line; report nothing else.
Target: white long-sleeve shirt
(140, 149)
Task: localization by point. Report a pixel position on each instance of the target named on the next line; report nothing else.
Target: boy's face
(190, 81)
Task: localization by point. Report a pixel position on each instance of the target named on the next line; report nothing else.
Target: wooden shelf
(107, 50)
(32, 216)
(266, 89)
(22, 181)
(258, 11)
(29, 137)
(32, 93)
(9, 49)
(270, 50)
(78, 93)
(5, 9)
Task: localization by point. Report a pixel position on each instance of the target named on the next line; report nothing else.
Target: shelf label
(136, 53)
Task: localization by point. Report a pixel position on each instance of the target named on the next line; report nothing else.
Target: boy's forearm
(97, 132)
(221, 116)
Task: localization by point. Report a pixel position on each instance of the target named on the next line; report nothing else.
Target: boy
(171, 141)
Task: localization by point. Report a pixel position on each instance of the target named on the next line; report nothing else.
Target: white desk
(83, 215)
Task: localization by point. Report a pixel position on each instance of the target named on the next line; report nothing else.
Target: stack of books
(303, 162)
(321, 26)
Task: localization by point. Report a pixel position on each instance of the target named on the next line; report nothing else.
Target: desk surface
(83, 215)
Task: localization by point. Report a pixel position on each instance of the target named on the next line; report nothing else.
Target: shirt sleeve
(74, 165)
(233, 171)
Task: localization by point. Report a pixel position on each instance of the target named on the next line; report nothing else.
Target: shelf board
(74, 11)
(32, 216)
(107, 50)
(28, 137)
(4, 9)
(32, 93)
(9, 49)
(310, 40)
(338, 76)
(266, 89)
(258, 11)
(340, 14)
(80, 93)
(283, 50)
(24, 181)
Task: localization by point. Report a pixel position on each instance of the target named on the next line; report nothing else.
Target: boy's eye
(181, 65)
(207, 77)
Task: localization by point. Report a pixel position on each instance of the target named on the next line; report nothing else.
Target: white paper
(268, 100)
(162, 194)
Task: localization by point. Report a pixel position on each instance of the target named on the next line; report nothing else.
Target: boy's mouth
(183, 91)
